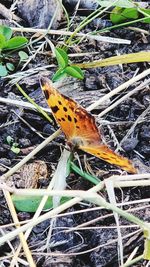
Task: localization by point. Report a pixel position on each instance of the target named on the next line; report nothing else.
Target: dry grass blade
(21, 235)
(69, 33)
(20, 103)
(121, 59)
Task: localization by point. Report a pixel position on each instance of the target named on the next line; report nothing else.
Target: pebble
(91, 83)
(24, 142)
(130, 144)
(48, 129)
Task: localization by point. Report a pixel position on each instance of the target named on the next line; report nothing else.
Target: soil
(101, 238)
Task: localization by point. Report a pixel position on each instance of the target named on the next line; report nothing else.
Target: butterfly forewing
(75, 121)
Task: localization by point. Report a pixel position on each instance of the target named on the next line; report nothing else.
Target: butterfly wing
(77, 124)
(105, 153)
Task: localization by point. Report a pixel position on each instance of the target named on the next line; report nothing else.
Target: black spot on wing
(69, 118)
(75, 120)
(65, 109)
(59, 102)
(54, 109)
(46, 93)
(63, 119)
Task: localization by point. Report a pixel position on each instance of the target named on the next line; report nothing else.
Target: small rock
(91, 83)
(24, 142)
(23, 216)
(29, 174)
(129, 144)
(48, 129)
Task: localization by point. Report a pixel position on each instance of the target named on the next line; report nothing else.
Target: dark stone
(130, 144)
(48, 129)
(24, 142)
(91, 83)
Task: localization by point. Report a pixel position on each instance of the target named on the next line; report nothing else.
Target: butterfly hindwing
(105, 153)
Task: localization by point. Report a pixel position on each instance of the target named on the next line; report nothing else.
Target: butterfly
(80, 128)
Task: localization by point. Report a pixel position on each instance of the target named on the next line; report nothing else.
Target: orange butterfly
(80, 128)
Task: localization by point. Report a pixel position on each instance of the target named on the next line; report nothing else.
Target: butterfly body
(80, 127)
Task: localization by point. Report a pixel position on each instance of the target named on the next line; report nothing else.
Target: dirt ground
(100, 239)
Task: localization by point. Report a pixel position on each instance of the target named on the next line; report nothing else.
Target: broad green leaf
(119, 3)
(23, 55)
(10, 66)
(74, 71)
(31, 203)
(59, 74)
(130, 13)
(62, 57)
(119, 15)
(147, 11)
(15, 42)
(2, 41)
(6, 31)
(3, 71)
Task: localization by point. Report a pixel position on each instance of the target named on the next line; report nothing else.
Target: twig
(20, 103)
(21, 235)
(6, 13)
(69, 33)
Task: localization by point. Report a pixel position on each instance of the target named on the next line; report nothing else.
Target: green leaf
(59, 75)
(15, 149)
(2, 41)
(23, 56)
(120, 15)
(147, 11)
(130, 13)
(3, 71)
(6, 31)
(9, 139)
(74, 71)
(62, 57)
(31, 203)
(10, 66)
(15, 42)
